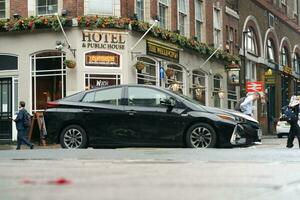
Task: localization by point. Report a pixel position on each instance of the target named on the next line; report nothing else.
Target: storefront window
(232, 96)
(176, 77)
(46, 7)
(217, 88)
(101, 80)
(199, 86)
(48, 78)
(148, 75)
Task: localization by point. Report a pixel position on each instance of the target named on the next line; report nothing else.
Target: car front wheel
(73, 137)
(201, 135)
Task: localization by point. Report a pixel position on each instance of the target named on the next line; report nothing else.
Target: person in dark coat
(22, 129)
(294, 130)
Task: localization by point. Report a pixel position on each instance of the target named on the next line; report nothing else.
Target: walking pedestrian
(22, 126)
(294, 129)
(247, 105)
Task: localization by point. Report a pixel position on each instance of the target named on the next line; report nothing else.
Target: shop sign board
(102, 59)
(103, 40)
(256, 86)
(270, 77)
(162, 51)
(288, 70)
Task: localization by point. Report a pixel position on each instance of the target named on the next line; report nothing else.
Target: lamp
(221, 94)
(198, 91)
(16, 16)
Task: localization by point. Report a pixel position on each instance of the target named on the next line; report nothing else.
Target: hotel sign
(103, 40)
(102, 59)
(162, 51)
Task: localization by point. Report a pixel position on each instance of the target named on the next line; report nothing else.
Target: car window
(146, 97)
(111, 96)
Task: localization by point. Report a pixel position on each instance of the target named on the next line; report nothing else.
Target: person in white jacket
(247, 105)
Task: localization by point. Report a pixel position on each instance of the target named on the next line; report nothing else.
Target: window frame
(140, 10)
(163, 8)
(86, 9)
(37, 6)
(270, 49)
(284, 56)
(198, 19)
(5, 9)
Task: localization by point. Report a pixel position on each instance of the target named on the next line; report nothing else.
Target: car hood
(227, 111)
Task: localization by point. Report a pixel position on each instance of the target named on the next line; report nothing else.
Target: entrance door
(5, 109)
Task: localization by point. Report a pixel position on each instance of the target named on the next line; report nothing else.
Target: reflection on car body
(143, 115)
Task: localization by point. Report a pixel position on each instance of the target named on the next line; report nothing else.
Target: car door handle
(131, 112)
(87, 110)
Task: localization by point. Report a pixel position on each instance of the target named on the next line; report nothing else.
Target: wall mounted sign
(103, 40)
(257, 86)
(232, 66)
(270, 77)
(162, 51)
(102, 59)
(233, 76)
(288, 70)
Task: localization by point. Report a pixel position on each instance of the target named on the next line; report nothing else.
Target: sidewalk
(13, 146)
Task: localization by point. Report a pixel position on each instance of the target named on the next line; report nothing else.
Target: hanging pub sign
(233, 77)
(102, 59)
(162, 51)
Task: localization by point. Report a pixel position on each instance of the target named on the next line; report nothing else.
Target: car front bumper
(244, 134)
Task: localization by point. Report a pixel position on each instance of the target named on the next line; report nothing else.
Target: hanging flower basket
(139, 65)
(169, 72)
(70, 63)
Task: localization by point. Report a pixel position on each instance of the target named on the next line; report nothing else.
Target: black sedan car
(142, 115)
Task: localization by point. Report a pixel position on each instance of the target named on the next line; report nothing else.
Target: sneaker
(32, 146)
(257, 142)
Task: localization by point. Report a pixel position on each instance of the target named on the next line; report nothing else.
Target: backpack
(288, 114)
(27, 119)
(237, 107)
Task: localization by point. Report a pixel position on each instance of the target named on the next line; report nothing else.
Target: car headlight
(226, 117)
(240, 119)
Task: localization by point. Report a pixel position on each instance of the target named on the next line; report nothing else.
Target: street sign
(257, 86)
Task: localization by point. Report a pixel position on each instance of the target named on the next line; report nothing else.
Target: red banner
(257, 86)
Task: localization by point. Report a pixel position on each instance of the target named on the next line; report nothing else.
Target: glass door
(5, 108)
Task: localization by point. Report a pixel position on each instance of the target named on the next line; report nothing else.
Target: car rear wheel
(73, 137)
(201, 135)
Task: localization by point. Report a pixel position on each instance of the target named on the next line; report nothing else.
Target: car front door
(152, 121)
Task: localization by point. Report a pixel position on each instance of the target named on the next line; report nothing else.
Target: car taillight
(52, 104)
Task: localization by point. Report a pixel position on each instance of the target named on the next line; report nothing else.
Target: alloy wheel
(73, 138)
(201, 137)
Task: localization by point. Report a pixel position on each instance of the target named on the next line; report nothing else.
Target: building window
(8, 62)
(48, 78)
(284, 57)
(250, 71)
(217, 27)
(297, 63)
(148, 75)
(199, 86)
(177, 77)
(99, 7)
(139, 9)
(251, 44)
(2, 8)
(296, 7)
(101, 80)
(47, 7)
(232, 96)
(198, 19)
(182, 15)
(163, 13)
(270, 50)
(217, 88)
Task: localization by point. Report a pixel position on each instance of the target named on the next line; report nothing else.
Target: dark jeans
(22, 138)
(294, 132)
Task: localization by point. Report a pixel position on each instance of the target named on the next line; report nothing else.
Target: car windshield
(186, 98)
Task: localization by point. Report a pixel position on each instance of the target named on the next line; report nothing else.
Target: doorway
(6, 109)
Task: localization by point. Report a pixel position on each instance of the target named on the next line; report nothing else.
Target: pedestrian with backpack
(292, 112)
(22, 123)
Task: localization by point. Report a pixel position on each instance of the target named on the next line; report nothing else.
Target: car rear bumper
(243, 134)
